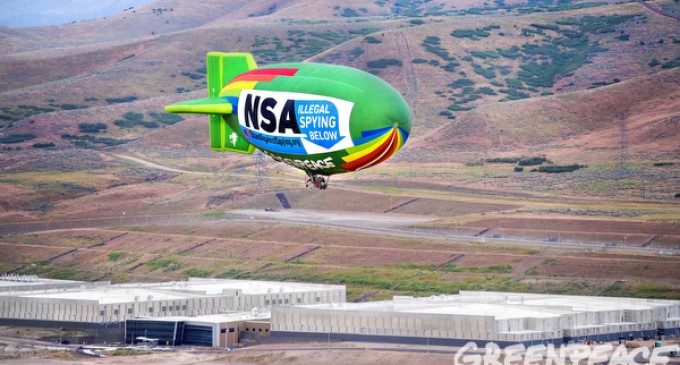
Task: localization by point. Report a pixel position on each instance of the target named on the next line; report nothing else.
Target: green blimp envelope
(320, 118)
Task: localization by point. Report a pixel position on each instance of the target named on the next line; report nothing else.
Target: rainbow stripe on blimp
(320, 118)
(382, 144)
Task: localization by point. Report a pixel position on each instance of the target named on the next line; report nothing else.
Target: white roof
(112, 295)
(501, 305)
(103, 293)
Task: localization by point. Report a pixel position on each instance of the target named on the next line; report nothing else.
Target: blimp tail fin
(221, 67)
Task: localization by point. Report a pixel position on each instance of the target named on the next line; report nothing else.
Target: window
(101, 312)
(115, 312)
(150, 309)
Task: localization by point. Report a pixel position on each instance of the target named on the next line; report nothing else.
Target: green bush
(125, 99)
(383, 63)
(43, 145)
(458, 108)
(486, 90)
(546, 26)
(349, 13)
(92, 127)
(485, 54)
(196, 273)
(73, 106)
(87, 140)
(432, 40)
(113, 256)
(556, 169)
(17, 138)
(372, 40)
(460, 83)
(513, 94)
(671, 64)
(473, 34)
(489, 73)
(451, 66)
(532, 161)
(166, 118)
(654, 63)
(503, 160)
(511, 53)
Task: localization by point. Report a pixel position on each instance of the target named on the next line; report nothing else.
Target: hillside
(503, 94)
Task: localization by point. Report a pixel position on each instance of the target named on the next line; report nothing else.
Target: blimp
(321, 118)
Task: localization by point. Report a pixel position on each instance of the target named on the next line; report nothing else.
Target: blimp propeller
(320, 118)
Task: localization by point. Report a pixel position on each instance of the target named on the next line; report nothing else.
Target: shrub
(17, 138)
(486, 90)
(654, 63)
(546, 26)
(671, 64)
(503, 160)
(73, 106)
(460, 83)
(532, 161)
(166, 118)
(473, 34)
(125, 99)
(511, 53)
(432, 40)
(383, 63)
(556, 169)
(43, 145)
(456, 107)
(372, 39)
(513, 94)
(518, 169)
(349, 13)
(489, 73)
(485, 54)
(92, 127)
(197, 273)
(531, 271)
(451, 66)
(125, 123)
(113, 256)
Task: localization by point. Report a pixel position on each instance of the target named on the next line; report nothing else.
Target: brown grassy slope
(23, 72)
(621, 60)
(158, 64)
(579, 121)
(125, 26)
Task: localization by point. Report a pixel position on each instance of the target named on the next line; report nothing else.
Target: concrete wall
(91, 311)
